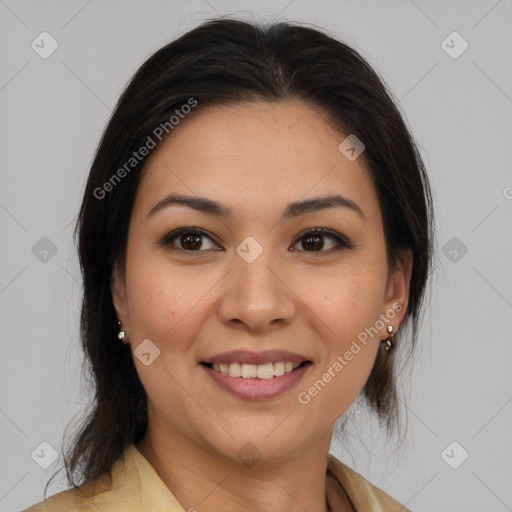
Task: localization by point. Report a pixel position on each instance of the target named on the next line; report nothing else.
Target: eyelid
(174, 234)
(340, 239)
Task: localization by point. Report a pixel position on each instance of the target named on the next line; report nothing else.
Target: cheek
(347, 308)
(160, 297)
(161, 305)
(348, 302)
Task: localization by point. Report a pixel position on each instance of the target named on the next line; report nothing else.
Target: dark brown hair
(225, 61)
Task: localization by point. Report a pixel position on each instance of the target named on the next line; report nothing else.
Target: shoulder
(131, 485)
(110, 492)
(76, 499)
(363, 494)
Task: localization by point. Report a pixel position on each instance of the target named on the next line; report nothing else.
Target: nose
(257, 296)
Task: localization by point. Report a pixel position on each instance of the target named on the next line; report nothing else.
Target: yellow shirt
(136, 487)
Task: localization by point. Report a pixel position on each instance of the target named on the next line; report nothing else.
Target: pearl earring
(121, 334)
(389, 341)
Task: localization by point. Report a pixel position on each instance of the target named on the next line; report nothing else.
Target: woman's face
(245, 283)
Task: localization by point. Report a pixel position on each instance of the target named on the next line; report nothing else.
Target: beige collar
(344, 487)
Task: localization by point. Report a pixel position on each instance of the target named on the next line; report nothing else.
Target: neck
(206, 481)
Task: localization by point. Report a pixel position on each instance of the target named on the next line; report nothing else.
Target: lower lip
(257, 389)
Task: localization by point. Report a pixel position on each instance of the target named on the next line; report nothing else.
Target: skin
(254, 158)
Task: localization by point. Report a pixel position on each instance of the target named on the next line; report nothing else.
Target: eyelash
(341, 241)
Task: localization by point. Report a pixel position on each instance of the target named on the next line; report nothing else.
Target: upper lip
(248, 357)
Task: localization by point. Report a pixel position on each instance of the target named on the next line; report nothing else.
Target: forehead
(254, 154)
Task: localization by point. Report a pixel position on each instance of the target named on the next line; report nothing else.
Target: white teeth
(235, 370)
(278, 369)
(265, 371)
(251, 371)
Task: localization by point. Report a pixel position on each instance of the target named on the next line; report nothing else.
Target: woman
(255, 230)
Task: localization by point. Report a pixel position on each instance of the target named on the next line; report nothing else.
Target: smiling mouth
(256, 371)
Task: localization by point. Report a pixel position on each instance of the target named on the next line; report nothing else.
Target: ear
(397, 293)
(118, 290)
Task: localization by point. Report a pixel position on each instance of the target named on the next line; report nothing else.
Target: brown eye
(313, 240)
(187, 240)
(192, 240)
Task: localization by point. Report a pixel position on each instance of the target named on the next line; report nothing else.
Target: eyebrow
(213, 208)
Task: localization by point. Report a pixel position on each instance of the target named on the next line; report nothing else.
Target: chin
(246, 444)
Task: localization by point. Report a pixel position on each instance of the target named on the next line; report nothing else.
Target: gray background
(53, 112)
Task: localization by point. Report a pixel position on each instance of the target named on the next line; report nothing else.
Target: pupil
(315, 241)
(191, 241)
